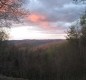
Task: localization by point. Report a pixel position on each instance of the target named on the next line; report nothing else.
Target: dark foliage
(59, 61)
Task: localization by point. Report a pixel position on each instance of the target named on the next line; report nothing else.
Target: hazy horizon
(48, 19)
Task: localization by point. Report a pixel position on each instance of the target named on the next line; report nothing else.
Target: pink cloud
(40, 20)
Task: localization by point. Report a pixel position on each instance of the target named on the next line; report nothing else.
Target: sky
(48, 19)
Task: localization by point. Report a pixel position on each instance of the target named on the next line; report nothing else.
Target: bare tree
(3, 35)
(11, 11)
(73, 35)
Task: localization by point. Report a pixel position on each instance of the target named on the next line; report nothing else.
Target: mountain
(34, 42)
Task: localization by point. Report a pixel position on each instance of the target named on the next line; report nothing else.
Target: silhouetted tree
(83, 39)
(11, 11)
(3, 38)
(83, 29)
(3, 35)
(73, 35)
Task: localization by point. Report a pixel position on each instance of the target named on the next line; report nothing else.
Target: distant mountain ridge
(33, 42)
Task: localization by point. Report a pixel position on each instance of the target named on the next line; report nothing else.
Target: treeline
(57, 62)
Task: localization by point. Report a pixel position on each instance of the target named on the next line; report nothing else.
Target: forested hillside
(43, 59)
(59, 61)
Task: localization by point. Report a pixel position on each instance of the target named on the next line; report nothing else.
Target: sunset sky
(48, 19)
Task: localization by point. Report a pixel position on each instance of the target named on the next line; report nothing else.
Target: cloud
(53, 15)
(35, 17)
(57, 10)
(54, 3)
(40, 20)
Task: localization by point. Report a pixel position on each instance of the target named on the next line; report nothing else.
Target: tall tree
(3, 35)
(83, 29)
(11, 11)
(73, 34)
(3, 38)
